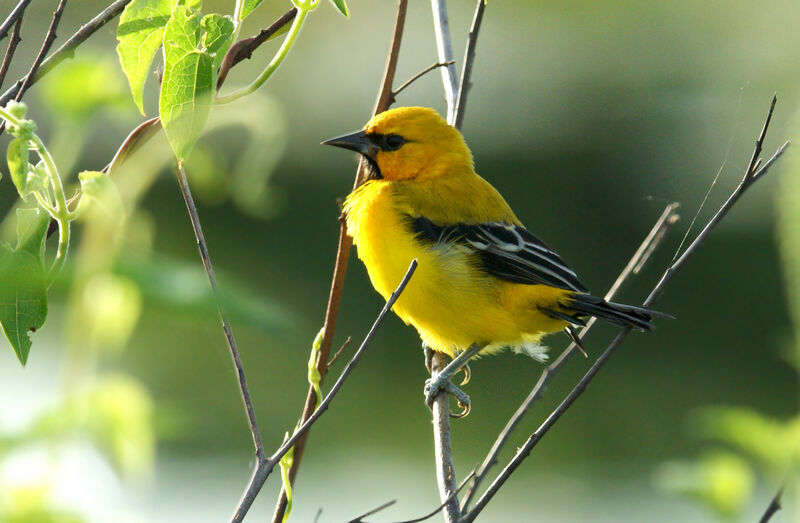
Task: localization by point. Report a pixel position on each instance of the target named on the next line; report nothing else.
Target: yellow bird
(484, 282)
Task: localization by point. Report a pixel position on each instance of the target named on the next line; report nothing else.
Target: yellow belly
(450, 301)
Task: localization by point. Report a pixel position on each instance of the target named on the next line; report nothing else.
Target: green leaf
(17, 157)
(249, 5)
(98, 190)
(23, 293)
(140, 33)
(188, 82)
(341, 6)
(218, 36)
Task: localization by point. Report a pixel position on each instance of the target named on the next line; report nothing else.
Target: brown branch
(469, 58)
(13, 17)
(343, 255)
(753, 173)
(418, 76)
(263, 471)
(49, 38)
(667, 219)
(67, 50)
(244, 48)
(10, 50)
(773, 507)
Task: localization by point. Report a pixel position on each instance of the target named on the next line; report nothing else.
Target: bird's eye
(392, 142)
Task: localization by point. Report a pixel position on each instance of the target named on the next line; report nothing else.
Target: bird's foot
(441, 384)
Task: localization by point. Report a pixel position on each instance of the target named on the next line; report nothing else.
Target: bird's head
(409, 143)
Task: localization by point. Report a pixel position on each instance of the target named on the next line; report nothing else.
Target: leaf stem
(302, 12)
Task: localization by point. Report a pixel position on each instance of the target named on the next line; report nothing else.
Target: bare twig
(440, 507)
(338, 352)
(753, 173)
(343, 254)
(444, 50)
(418, 76)
(469, 58)
(360, 519)
(10, 50)
(263, 471)
(667, 219)
(244, 48)
(226, 327)
(445, 474)
(13, 16)
(68, 48)
(773, 507)
(49, 38)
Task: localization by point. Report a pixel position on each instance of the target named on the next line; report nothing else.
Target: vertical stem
(445, 474)
(444, 50)
(226, 326)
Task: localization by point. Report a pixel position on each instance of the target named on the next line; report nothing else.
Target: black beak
(359, 142)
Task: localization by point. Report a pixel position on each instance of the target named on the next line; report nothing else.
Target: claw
(428, 357)
(467, 375)
(576, 339)
(463, 414)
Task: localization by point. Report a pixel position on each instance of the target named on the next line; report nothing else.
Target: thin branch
(525, 450)
(667, 219)
(49, 38)
(226, 326)
(67, 50)
(244, 48)
(444, 49)
(339, 352)
(469, 58)
(15, 15)
(343, 254)
(263, 471)
(445, 473)
(440, 507)
(773, 507)
(419, 75)
(360, 519)
(10, 50)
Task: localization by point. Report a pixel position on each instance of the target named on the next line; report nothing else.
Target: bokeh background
(589, 117)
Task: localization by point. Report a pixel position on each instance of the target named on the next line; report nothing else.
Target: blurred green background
(589, 117)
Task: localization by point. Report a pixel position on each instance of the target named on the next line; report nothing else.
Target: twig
(15, 15)
(444, 50)
(445, 474)
(244, 48)
(753, 173)
(773, 507)
(49, 38)
(226, 327)
(10, 50)
(68, 48)
(343, 254)
(263, 471)
(418, 76)
(440, 507)
(338, 352)
(360, 519)
(667, 219)
(469, 58)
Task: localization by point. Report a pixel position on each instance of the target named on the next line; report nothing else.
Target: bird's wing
(507, 251)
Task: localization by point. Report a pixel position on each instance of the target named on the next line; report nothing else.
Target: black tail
(616, 313)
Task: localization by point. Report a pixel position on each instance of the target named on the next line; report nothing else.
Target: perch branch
(667, 219)
(445, 473)
(343, 255)
(262, 472)
(754, 171)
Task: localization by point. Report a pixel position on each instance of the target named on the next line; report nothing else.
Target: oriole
(483, 282)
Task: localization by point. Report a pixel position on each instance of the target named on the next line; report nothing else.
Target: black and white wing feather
(507, 251)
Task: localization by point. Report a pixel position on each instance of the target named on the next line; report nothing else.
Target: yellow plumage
(477, 279)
